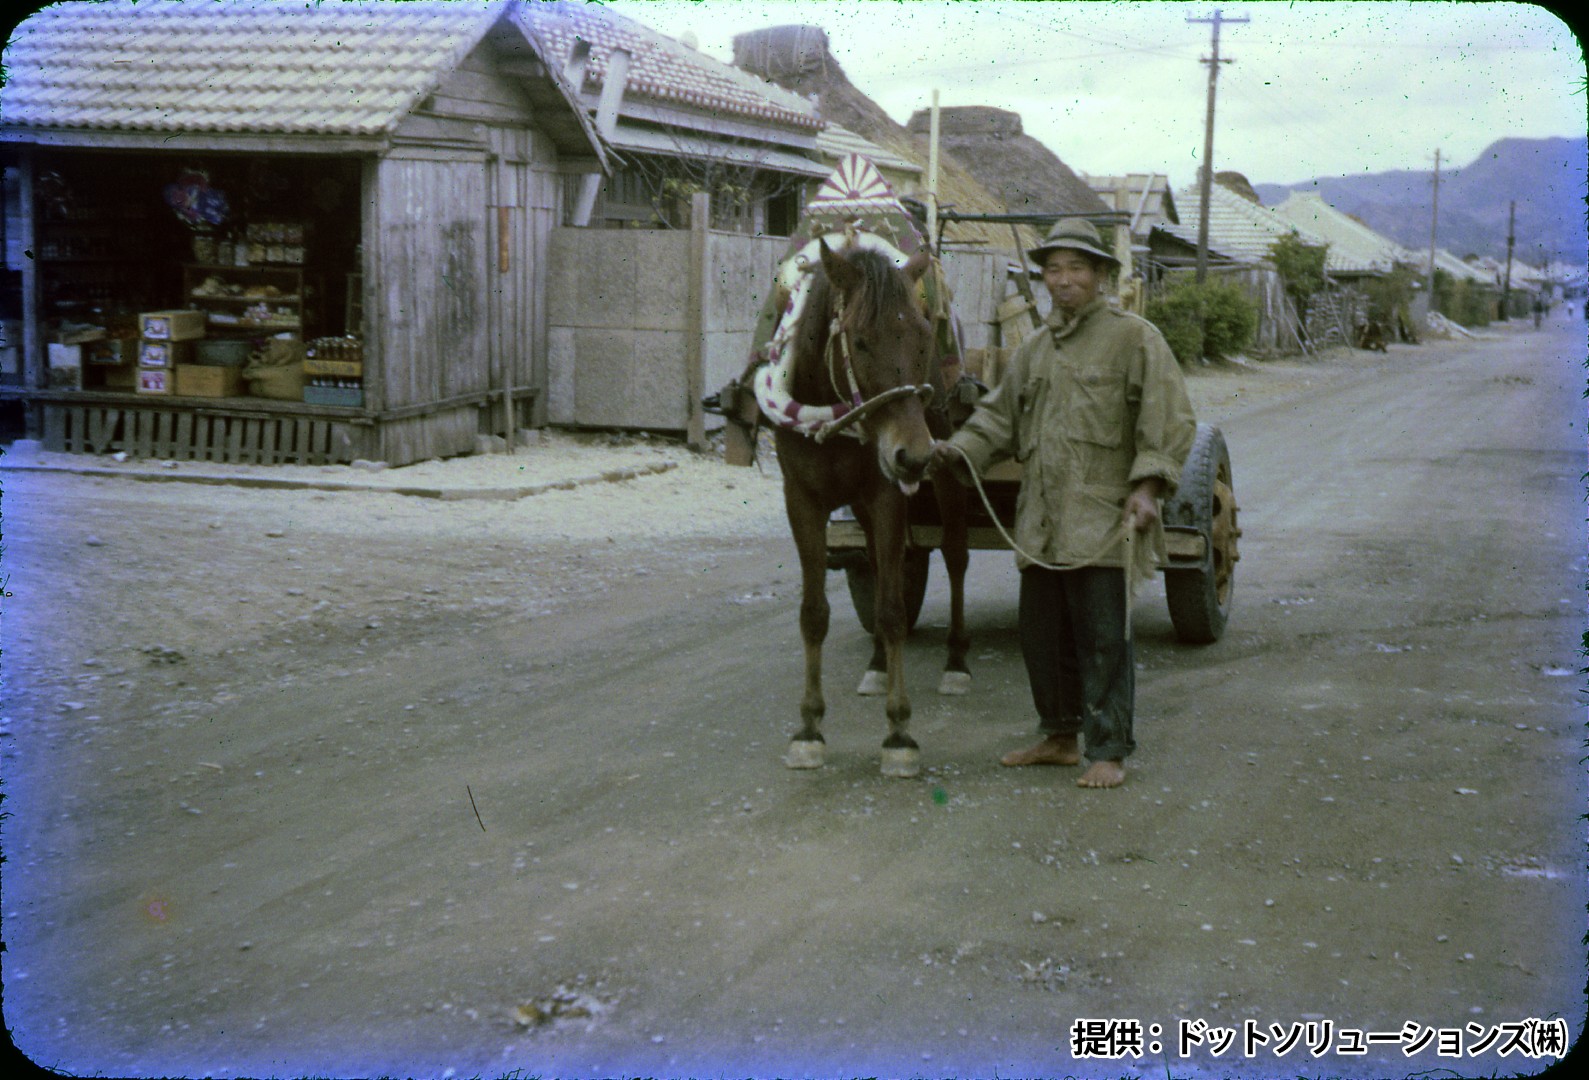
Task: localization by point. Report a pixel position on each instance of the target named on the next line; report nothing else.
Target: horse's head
(889, 343)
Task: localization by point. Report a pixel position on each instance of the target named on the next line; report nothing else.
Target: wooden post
(932, 177)
(30, 362)
(695, 321)
(612, 88)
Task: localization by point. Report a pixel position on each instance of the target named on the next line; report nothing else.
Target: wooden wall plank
(182, 441)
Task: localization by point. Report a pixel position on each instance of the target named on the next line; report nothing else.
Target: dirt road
(350, 783)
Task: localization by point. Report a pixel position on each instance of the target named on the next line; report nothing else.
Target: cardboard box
(166, 354)
(208, 380)
(64, 366)
(182, 325)
(154, 381)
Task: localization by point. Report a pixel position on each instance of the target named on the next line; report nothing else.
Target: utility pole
(1434, 228)
(1511, 239)
(1217, 20)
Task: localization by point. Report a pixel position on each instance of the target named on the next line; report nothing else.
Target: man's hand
(1142, 505)
(943, 456)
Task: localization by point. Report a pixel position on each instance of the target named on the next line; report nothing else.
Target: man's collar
(1062, 325)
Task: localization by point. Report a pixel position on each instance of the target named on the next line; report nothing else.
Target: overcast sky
(1314, 89)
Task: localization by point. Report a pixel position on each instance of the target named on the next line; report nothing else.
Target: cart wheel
(862, 594)
(1200, 597)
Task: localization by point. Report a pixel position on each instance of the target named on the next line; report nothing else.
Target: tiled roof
(1349, 237)
(839, 142)
(664, 69)
(1245, 230)
(345, 67)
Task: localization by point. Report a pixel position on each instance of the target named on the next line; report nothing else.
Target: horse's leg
(901, 756)
(874, 680)
(808, 523)
(952, 496)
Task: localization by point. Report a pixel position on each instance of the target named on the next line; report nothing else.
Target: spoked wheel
(1200, 596)
(863, 587)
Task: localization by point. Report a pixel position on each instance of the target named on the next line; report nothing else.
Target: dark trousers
(1078, 658)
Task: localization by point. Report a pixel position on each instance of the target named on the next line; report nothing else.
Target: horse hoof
(873, 684)
(805, 754)
(955, 683)
(903, 762)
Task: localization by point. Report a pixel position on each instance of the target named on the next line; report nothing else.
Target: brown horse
(863, 348)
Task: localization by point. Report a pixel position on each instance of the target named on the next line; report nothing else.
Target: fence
(642, 323)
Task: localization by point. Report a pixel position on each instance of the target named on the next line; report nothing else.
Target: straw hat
(1077, 234)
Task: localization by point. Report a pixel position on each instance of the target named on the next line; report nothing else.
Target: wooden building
(376, 179)
(679, 124)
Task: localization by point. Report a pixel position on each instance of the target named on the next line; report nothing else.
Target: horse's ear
(916, 268)
(841, 274)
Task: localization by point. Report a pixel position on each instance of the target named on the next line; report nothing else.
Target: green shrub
(1214, 319)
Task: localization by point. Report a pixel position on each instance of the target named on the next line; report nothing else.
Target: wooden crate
(342, 369)
(178, 325)
(164, 354)
(154, 381)
(208, 380)
(346, 396)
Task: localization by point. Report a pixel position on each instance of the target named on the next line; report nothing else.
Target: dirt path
(352, 782)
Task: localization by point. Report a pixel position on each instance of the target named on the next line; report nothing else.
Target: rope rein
(1138, 560)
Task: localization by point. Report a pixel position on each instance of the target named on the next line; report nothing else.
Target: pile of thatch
(1022, 172)
(797, 58)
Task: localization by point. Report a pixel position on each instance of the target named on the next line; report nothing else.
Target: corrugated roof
(344, 67)
(674, 144)
(664, 69)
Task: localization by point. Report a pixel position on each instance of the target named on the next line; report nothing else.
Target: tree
(1301, 268)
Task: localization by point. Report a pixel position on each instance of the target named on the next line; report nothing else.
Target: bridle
(772, 380)
(838, 348)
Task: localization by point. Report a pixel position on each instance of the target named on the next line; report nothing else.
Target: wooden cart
(1200, 531)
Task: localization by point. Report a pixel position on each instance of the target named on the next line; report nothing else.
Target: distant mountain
(1547, 178)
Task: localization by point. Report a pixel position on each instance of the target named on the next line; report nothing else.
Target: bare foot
(1103, 774)
(1054, 750)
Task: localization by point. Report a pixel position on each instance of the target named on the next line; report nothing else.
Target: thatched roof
(798, 58)
(1022, 172)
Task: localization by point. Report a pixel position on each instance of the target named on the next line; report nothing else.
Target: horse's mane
(883, 290)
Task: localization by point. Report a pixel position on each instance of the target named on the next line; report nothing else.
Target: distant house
(679, 122)
(1356, 247)
(1244, 230)
(1145, 197)
(1240, 235)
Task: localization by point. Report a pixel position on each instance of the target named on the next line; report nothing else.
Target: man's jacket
(1089, 408)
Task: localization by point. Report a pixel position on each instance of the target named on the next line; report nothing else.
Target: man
(1095, 409)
